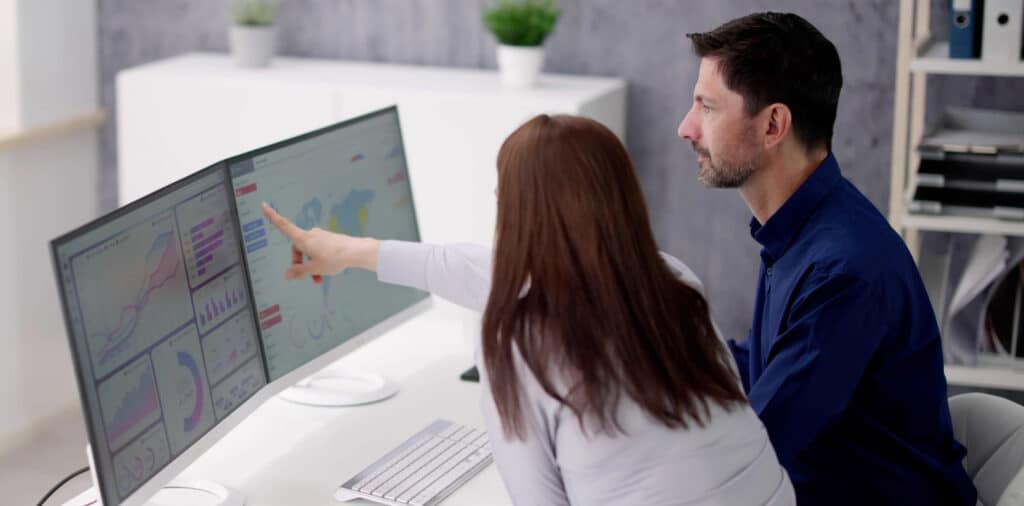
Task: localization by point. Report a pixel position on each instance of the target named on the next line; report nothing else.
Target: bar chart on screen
(129, 401)
(209, 245)
(219, 299)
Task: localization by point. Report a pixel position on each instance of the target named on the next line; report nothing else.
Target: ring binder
(1002, 30)
(965, 28)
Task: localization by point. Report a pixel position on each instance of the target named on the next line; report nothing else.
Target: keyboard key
(435, 473)
(470, 435)
(459, 433)
(375, 485)
(414, 480)
(441, 483)
(407, 477)
(403, 472)
(451, 429)
(479, 440)
(377, 469)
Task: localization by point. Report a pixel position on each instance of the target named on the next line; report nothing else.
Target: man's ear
(779, 121)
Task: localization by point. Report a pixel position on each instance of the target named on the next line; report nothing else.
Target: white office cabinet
(177, 116)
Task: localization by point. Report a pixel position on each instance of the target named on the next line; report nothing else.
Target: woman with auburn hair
(604, 379)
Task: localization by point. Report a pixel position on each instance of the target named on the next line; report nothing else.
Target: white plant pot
(252, 46)
(520, 66)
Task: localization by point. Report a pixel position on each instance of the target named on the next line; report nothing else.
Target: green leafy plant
(523, 22)
(254, 12)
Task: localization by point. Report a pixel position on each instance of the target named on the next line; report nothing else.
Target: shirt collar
(778, 232)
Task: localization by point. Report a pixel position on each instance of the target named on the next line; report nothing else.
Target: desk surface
(286, 453)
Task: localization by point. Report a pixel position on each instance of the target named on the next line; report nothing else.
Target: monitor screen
(162, 331)
(349, 178)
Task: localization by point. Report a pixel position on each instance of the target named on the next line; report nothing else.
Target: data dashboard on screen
(350, 178)
(161, 324)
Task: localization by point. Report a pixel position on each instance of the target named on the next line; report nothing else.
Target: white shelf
(963, 224)
(985, 377)
(934, 59)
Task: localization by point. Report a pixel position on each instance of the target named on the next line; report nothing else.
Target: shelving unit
(920, 55)
(932, 58)
(962, 224)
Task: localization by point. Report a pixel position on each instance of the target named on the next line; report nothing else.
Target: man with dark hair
(843, 362)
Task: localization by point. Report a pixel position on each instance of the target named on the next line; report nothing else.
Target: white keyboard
(423, 470)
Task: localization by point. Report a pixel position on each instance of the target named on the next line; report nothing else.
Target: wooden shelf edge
(87, 121)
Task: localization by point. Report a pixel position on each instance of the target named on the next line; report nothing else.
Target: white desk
(285, 453)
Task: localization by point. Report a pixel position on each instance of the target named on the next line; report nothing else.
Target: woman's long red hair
(581, 293)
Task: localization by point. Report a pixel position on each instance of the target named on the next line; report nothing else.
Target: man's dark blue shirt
(843, 362)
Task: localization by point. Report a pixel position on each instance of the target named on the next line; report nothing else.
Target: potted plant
(252, 31)
(521, 27)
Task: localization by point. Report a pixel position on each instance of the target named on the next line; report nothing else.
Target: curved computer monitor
(350, 178)
(153, 381)
(179, 320)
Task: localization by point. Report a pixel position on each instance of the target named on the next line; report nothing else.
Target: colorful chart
(227, 347)
(141, 459)
(210, 243)
(147, 259)
(219, 299)
(129, 402)
(192, 420)
(237, 387)
(349, 217)
(184, 389)
(344, 181)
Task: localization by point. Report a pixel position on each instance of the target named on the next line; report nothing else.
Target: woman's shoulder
(682, 271)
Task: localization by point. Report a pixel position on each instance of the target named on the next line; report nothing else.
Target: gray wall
(640, 40)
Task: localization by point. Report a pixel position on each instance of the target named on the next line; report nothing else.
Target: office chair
(992, 429)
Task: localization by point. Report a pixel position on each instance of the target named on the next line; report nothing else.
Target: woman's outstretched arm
(460, 273)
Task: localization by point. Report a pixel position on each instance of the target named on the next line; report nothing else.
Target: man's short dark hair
(779, 58)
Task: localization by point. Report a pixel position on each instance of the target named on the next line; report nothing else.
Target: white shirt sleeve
(528, 467)
(460, 273)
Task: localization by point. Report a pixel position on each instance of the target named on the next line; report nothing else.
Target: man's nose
(688, 129)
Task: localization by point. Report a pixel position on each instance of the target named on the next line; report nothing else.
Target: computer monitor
(155, 375)
(176, 308)
(350, 178)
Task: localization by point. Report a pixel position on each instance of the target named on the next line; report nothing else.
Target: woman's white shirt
(729, 461)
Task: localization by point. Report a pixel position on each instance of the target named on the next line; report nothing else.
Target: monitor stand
(340, 388)
(179, 492)
(196, 492)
